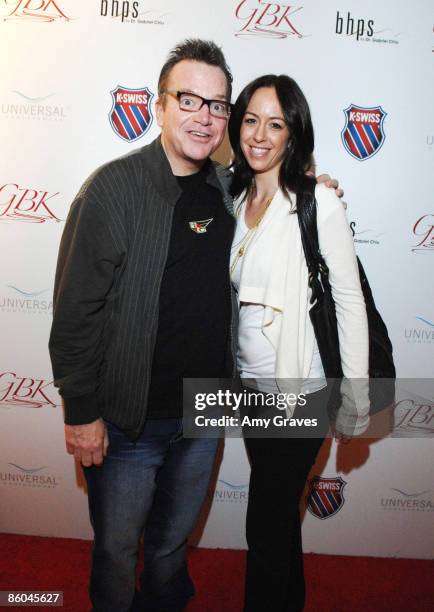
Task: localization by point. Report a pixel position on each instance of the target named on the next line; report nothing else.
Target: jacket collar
(166, 183)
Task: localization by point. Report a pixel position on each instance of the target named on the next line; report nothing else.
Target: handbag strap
(307, 220)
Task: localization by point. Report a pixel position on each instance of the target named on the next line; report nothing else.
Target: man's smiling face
(189, 138)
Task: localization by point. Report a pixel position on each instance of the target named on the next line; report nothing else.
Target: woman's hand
(341, 438)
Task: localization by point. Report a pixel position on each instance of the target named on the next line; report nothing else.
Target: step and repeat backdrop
(74, 74)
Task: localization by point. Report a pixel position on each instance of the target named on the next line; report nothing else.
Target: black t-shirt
(195, 302)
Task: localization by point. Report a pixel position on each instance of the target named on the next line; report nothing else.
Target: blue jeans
(155, 487)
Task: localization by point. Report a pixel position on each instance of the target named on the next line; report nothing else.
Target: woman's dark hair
(298, 157)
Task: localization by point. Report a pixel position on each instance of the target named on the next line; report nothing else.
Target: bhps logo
(34, 10)
(259, 18)
(365, 236)
(363, 134)
(131, 115)
(325, 497)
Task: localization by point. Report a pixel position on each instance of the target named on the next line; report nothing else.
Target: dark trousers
(279, 469)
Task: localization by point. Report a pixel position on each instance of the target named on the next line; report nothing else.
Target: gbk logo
(24, 204)
(34, 10)
(413, 418)
(423, 231)
(267, 19)
(26, 392)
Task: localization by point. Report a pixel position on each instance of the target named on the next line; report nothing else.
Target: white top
(256, 356)
(273, 276)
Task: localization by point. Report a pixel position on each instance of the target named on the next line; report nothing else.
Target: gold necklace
(248, 237)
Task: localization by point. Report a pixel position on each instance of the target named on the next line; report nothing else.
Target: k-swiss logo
(200, 226)
(24, 204)
(27, 392)
(325, 496)
(267, 19)
(423, 230)
(131, 115)
(34, 10)
(363, 134)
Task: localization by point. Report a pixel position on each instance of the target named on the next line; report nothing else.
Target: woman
(271, 133)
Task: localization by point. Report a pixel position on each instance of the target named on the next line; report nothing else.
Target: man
(142, 300)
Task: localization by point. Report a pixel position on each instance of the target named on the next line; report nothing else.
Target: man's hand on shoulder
(332, 183)
(88, 443)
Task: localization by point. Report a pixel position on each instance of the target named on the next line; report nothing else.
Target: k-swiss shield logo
(200, 226)
(131, 115)
(363, 134)
(325, 497)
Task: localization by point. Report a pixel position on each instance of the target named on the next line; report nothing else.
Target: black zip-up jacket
(111, 261)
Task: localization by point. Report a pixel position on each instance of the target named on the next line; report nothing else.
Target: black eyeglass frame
(178, 93)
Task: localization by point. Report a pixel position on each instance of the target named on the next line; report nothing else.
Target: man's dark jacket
(111, 261)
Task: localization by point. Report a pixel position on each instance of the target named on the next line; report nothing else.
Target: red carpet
(335, 584)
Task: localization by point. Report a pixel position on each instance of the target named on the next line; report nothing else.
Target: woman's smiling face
(264, 134)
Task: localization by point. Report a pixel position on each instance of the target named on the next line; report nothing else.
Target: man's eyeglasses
(191, 103)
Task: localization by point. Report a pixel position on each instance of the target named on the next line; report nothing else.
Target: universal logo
(26, 302)
(259, 18)
(413, 418)
(422, 334)
(363, 30)
(406, 501)
(423, 230)
(26, 205)
(34, 10)
(26, 392)
(366, 236)
(23, 107)
(19, 476)
(231, 493)
(128, 12)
